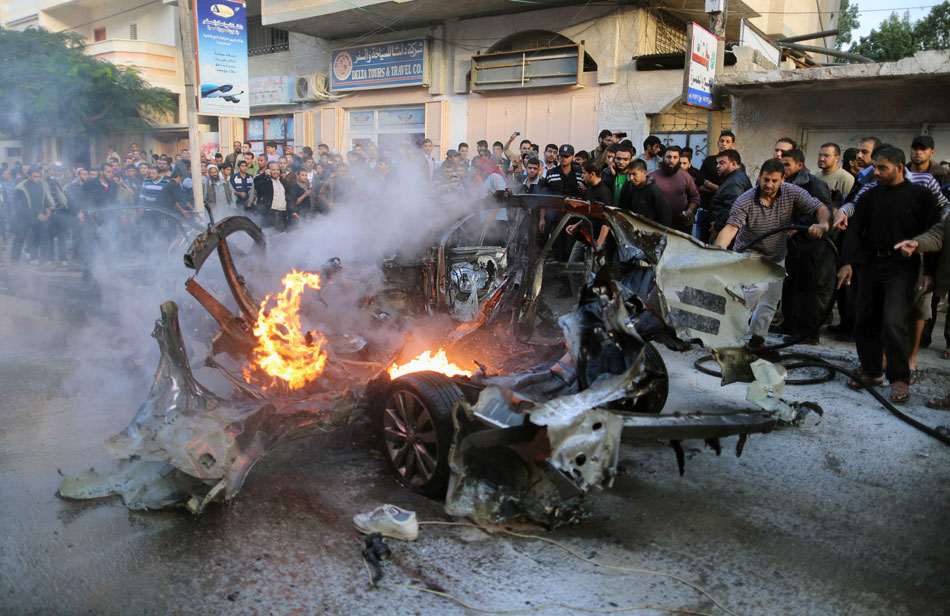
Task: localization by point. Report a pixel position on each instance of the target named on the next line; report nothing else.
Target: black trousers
(932, 321)
(26, 223)
(884, 301)
(846, 296)
(800, 305)
(59, 227)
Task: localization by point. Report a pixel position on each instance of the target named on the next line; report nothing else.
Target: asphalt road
(851, 516)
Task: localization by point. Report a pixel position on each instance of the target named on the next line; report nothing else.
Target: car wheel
(655, 399)
(415, 425)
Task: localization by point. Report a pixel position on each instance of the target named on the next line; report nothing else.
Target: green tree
(898, 38)
(848, 22)
(933, 31)
(892, 40)
(50, 87)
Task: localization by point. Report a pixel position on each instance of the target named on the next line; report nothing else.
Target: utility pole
(186, 26)
(717, 26)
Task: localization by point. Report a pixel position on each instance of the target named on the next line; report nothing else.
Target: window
(14, 152)
(133, 32)
(260, 131)
(99, 34)
(670, 33)
(387, 128)
(263, 39)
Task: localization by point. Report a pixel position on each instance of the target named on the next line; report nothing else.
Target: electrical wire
(548, 604)
(813, 361)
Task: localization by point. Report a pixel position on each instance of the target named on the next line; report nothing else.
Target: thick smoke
(111, 337)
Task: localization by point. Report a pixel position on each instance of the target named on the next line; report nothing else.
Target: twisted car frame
(567, 366)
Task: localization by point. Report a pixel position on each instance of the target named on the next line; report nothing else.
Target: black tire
(415, 428)
(655, 400)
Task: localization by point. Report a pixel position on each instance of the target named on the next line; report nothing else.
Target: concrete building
(894, 101)
(616, 67)
(127, 33)
(615, 84)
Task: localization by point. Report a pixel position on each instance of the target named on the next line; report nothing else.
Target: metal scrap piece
(188, 447)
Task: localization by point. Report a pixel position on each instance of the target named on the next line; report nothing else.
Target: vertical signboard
(221, 30)
(700, 67)
(383, 65)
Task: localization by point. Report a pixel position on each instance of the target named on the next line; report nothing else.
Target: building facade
(488, 68)
(468, 47)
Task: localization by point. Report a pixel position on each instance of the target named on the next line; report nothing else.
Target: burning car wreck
(529, 425)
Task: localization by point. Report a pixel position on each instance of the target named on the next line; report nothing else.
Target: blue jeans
(701, 230)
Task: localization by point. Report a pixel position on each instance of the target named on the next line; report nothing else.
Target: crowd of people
(881, 208)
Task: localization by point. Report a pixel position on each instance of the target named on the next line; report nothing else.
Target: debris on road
(555, 382)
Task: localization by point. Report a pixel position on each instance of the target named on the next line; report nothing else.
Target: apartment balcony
(160, 65)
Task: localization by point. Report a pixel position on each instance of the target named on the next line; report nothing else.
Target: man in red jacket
(678, 188)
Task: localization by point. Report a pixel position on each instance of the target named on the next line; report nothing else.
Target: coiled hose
(805, 360)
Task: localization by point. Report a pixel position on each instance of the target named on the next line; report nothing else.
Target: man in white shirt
(431, 165)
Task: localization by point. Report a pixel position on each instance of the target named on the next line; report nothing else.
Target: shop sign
(222, 57)
(384, 65)
(272, 90)
(700, 67)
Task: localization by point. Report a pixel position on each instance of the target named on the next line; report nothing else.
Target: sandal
(900, 392)
(915, 377)
(865, 380)
(941, 404)
(945, 354)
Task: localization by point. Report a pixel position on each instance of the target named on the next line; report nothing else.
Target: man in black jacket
(564, 179)
(733, 181)
(641, 195)
(708, 183)
(892, 211)
(32, 206)
(802, 299)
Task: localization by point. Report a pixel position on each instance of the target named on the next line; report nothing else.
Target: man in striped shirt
(771, 204)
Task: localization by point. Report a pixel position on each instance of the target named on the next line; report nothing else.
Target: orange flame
(426, 361)
(283, 349)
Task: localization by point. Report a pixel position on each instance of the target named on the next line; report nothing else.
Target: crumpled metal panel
(187, 446)
(542, 467)
(700, 286)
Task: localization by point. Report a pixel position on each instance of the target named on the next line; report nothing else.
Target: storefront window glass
(387, 128)
(279, 129)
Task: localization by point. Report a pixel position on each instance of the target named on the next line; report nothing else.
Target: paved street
(850, 517)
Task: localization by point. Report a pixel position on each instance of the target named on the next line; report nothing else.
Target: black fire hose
(805, 360)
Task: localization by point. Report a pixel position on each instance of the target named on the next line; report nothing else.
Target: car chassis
(530, 434)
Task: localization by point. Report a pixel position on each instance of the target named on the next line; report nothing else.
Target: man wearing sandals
(933, 241)
(892, 211)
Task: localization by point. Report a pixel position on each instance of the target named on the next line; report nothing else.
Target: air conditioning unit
(309, 88)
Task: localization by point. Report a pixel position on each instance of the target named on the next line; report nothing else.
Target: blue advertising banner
(221, 27)
(383, 65)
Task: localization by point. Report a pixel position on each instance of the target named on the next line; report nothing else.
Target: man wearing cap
(452, 156)
(921, 159)
(566, 178)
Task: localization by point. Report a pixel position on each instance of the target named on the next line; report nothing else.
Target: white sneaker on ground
(389, 521)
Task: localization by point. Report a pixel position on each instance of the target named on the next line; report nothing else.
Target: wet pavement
(848, 517)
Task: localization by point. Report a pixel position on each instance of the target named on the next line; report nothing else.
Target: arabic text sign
(222, 57)
(700, 66)
(271, 90)
(384, 65)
